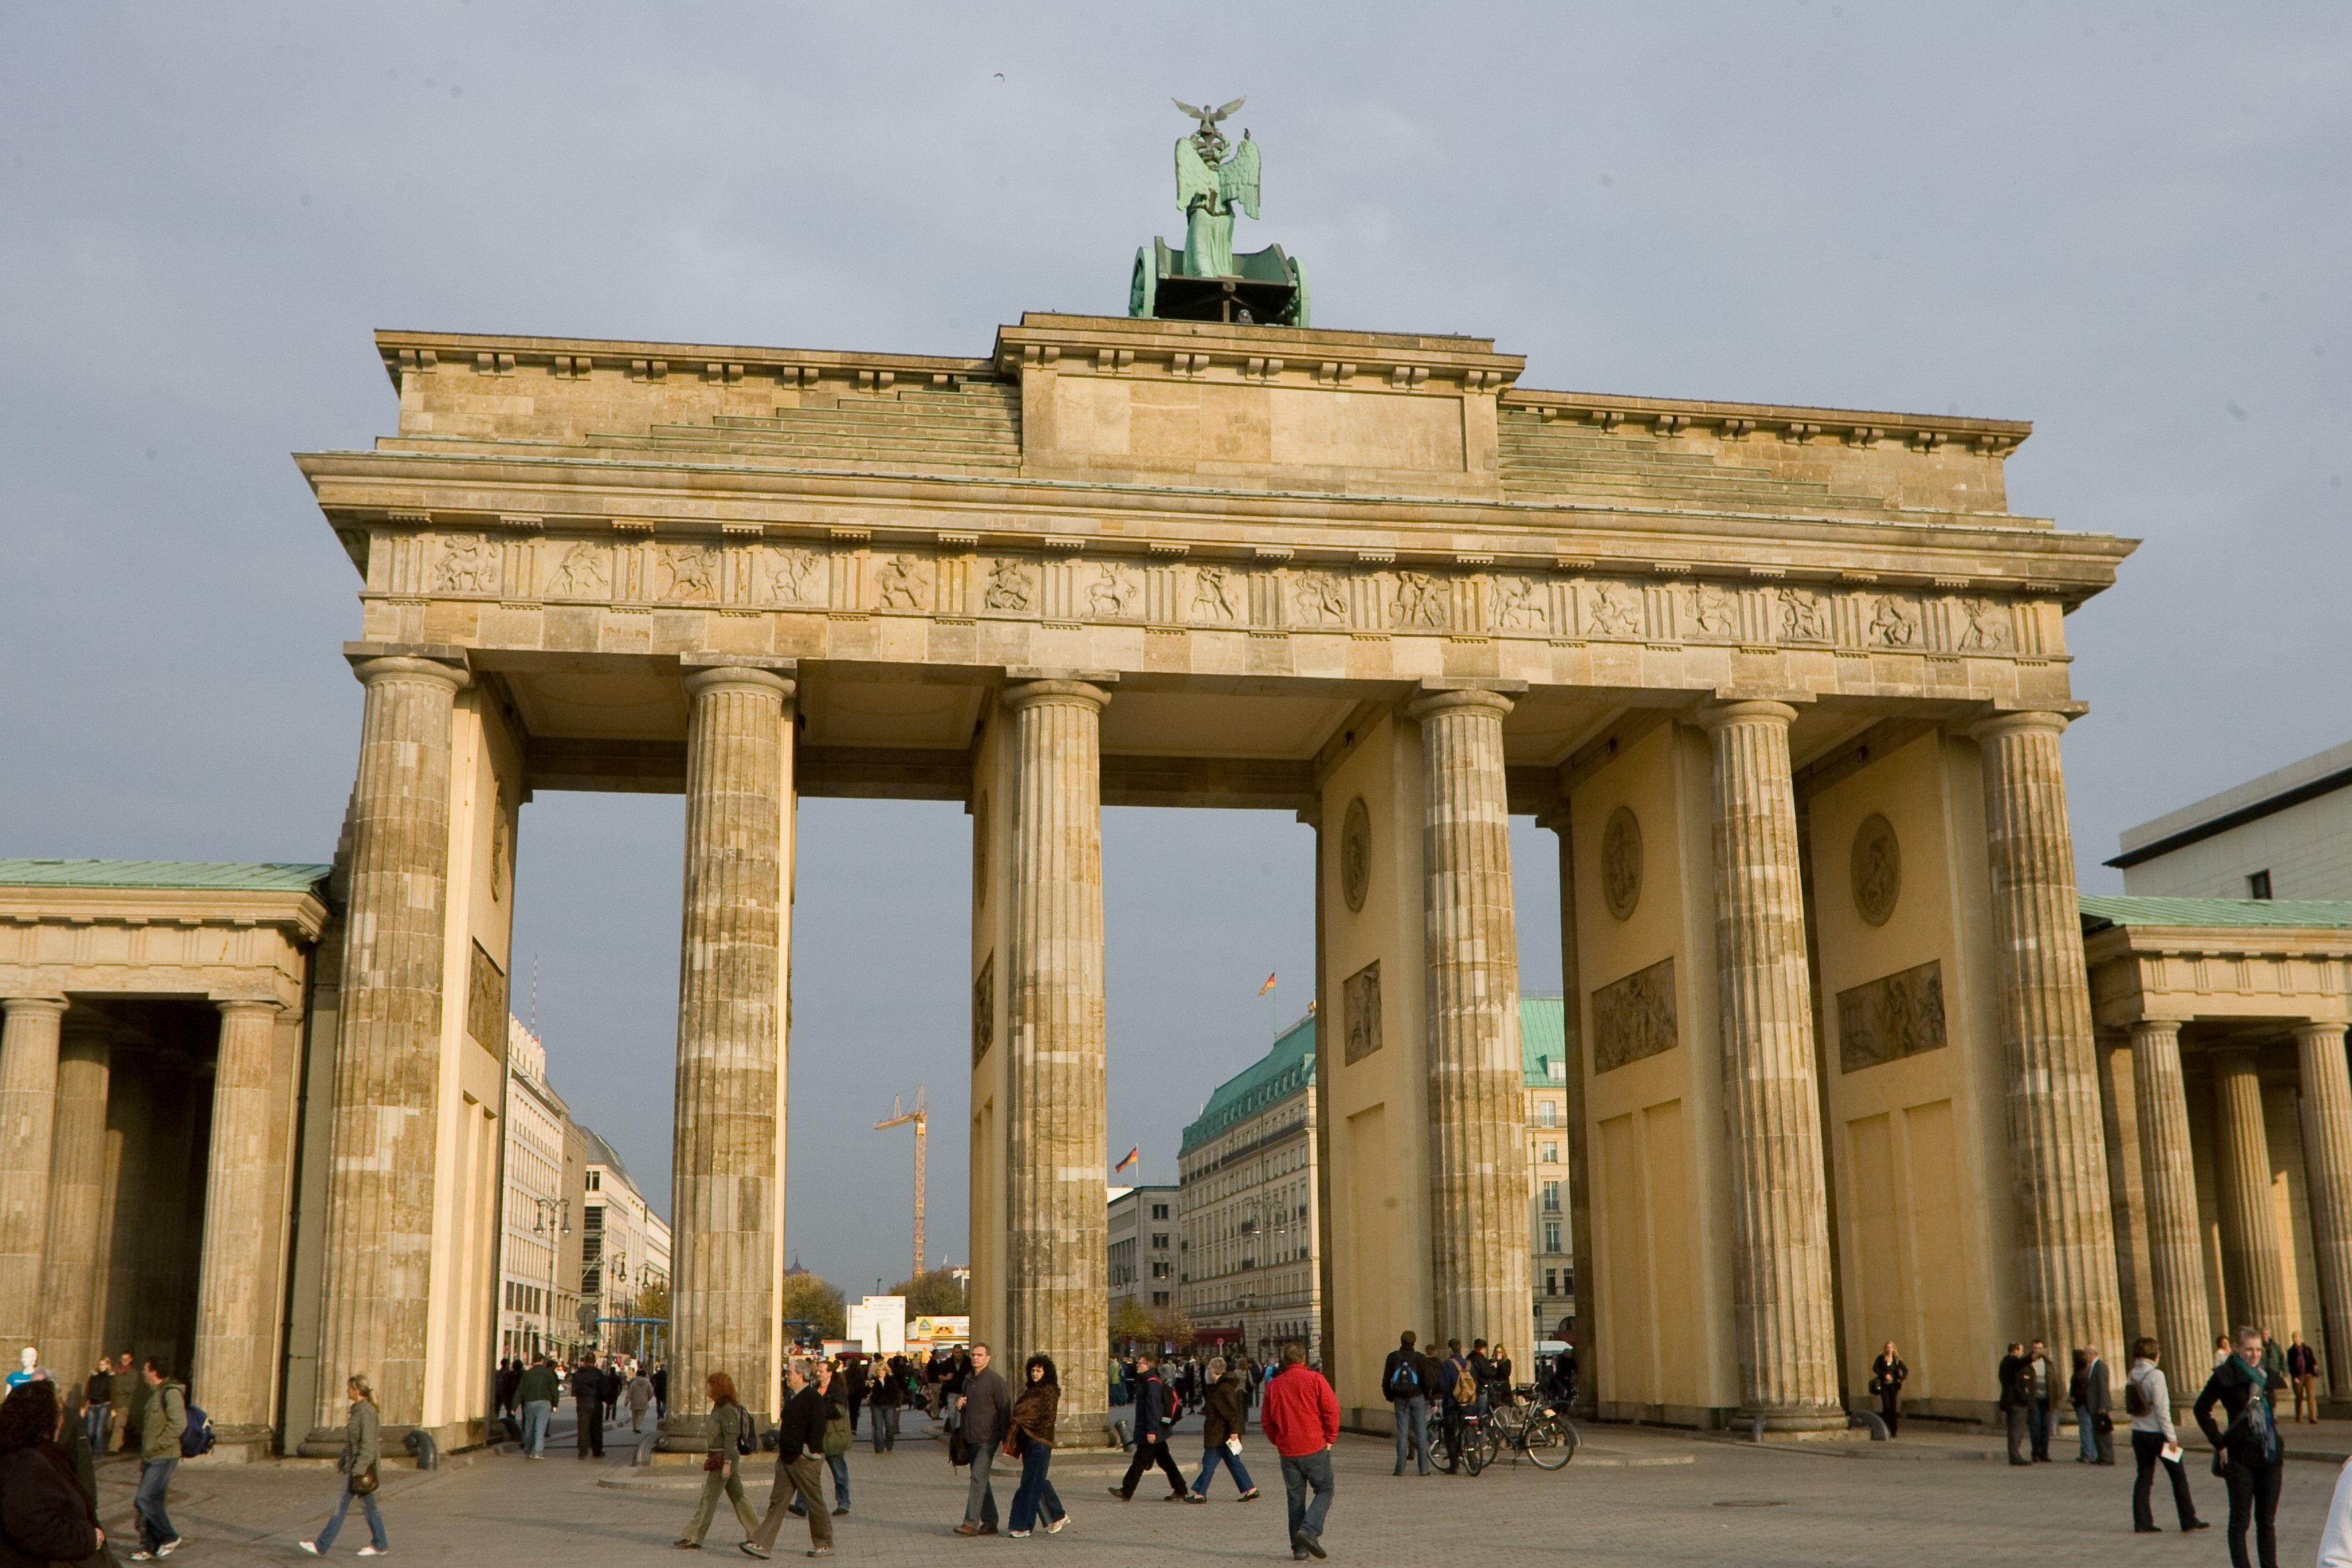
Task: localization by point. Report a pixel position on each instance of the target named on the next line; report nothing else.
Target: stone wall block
(2066, 1234)
(2176, 1253)
(1785, 1327)
(1477, 1115)
(1057, 1299)
(28, 1100)
(379, 1224)
(2327, 1182)
(727, 1210)
(77, 1195)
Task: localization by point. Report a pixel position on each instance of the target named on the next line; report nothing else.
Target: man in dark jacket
(853, 1383)
(1150, 1434)
(608, 1391)
(588, 1408)
(660, 1380)
(985, 1411)
(538, 1393)
(799, 1486)
(1404, 1383)
(2045, 1398)
(2246, 1452)
(2094, 1428)
(2016, 1401)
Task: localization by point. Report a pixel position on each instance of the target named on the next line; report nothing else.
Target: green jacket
(539, 1382)
(167, 1417)
(727, 1423)
(362, 1437)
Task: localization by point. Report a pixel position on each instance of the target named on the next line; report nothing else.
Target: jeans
(2148, 1452)
(980, 1502)
(96, 1418)
(155, 1484)
(2084, 1436)
(326, 1537)
(1299, 1474)
(840, 1466)
(1412, 1432)
(2037, 1421)
(886, 1428)
(536, 1414)
(714, 1484)
(1217, 1454)
(1036, 1496)
(2253, 1497)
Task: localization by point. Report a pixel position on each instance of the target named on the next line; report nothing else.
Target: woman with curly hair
(1032, 1439)
(731, 1425)
(45, 1516)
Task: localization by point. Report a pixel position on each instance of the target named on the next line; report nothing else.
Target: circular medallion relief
(1877, 870)
(1356, 853)
(1621, 862)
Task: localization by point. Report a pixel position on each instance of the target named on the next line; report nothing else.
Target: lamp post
(554, 1224)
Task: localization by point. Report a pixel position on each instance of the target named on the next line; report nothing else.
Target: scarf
(2259, 1417)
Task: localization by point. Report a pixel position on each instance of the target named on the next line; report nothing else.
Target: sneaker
(820, 1551)
(168, 1547)
(143, 1555)
(376, 1551)
(309, 1546)
(1058, 1525)
(1018, 1534)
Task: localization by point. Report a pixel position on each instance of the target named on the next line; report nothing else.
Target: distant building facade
(1551, 1262)
(624, 1250)
(2287, 835)
(539, 1301)
(1247, 1198)
(1144, 1250)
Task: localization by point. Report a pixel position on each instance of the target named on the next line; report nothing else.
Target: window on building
(1551, 1197)
(1160, 1298)
(1559, 1071)
(1159, 1241)
(595, 1180)
(1551, 1281)
(1159, 1211)
(592, 1216)
(2258, 886)
(1551, 1153)
(1551, 1235)
(591, 1282)
(1547, 1113)
(1160, 1271)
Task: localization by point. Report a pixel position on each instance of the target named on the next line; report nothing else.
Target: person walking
(97, 1404)
(142, 1394)
(1404, 1383)
(48, 1516)
(1151, 1421)
(615, 1384)
(2247, 1452)
(362, 1449)
(799, 1486)
(2302, 1372)
(588, 1409)
(641, 1396)
(729, 1426)
(1030, 1436)
(1887, 1373)
(2094, 1425)
(887, 1394)
(660, 1381)
(855, 1382)
(159, 1456)
(832, 1437)
(1301, 1418)
(984, 1419)
(510, 1378)
(75, 1439)
(2147, 1400)
(2016, 1404)
(1224, 1418)
(536, 1391)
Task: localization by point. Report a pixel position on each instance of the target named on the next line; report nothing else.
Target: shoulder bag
(366, 1482)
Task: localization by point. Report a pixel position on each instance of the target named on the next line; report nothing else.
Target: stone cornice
(301, 915)
(429, 351)
(1797, 422)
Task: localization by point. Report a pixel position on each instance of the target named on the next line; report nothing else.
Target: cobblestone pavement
(1631, 1497)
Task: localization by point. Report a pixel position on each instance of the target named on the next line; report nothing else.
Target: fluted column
(1786, 1330)
(29, 1103)
(2175, 1255)
(2327, 1182)
(77, 1195)
(1478, 1097)
(728, 1152)
(1582, 1255)
(2066, 1238)
(2253, 1278)
(245, 1186)
(379, 1222)
(1057, 1158)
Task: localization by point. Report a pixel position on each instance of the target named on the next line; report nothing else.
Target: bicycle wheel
(1473, 1455)
(1547, 1444)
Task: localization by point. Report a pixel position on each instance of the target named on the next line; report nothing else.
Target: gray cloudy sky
(2128, 224)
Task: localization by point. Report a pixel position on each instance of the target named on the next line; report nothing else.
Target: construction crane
(899, 1117)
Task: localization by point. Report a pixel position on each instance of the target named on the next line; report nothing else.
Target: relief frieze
(1633, 1018)
(1897, 1015)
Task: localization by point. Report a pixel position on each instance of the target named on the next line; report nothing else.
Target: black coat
(1227, 1411)
(45, 1517)
(2232, 1388)
(588, 1382)
(1414, 1362)
(801, 1429)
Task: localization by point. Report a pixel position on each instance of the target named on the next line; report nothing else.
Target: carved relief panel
(1634, 1017)
(1897, 1015)
(1361, 997)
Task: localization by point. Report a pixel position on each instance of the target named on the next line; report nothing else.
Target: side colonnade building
(1787, 683)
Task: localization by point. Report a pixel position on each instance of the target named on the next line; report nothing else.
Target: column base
(682, 1435)
(1810, 1420)
(244, 1444)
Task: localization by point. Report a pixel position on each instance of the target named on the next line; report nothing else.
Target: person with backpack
(1404, 1383)
(2247, 1453)
(1151, 1420)
(159, 1456)
(2147, 1400)
(731, 1439)
(362, 1450)
(1456, 1393)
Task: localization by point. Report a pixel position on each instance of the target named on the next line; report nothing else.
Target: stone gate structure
(1786, 682)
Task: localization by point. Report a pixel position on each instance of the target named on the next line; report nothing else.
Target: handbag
(711, 1462)
(365, 1481)
(836, 1438)
(959, 1449)
(1014, 1442)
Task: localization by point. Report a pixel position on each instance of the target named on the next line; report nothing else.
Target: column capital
(1715, 716)
(701, 677)
(2025, 721)
(2314, 1029)
(1433, 699)
(375, 662)
(2155, 1029)
(34, 1007)
(246, 1006)
(1068, 693)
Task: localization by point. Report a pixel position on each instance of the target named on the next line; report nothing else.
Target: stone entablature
(221, 943)
(2184, 972)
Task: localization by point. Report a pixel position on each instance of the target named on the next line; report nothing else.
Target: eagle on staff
(1205, 278)
(1213, 178)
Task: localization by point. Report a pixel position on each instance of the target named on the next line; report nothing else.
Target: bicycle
(1534, 1427)
(1468, 1448)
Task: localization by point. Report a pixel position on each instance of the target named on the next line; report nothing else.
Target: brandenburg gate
(1788, 683)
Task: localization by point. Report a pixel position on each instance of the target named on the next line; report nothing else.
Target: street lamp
(554, 1222)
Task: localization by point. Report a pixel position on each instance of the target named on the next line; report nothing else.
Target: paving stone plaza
(1633, 1495)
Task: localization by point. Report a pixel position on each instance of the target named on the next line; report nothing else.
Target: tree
(653, 1300)
(808, 1298)
(1130, 1325)
(934, 1293)
(1172, 1326)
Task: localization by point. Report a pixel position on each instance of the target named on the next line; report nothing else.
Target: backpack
(746, 1440)
(1404, 1383)
(196, 1437)
(2134, 1398)
(1465, 1387)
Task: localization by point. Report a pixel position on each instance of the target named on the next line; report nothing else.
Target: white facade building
(623, 1248)
(1248, 1203)
(2287, 835)
(538, 1273)
(1143, 1252)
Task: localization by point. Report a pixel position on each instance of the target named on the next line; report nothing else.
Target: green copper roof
(227, 876)
(2304, 913)
(1289, 1067)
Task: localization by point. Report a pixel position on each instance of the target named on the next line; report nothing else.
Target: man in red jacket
(1301, 1419)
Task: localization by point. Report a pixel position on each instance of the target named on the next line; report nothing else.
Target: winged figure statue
(1213, 178)
(1205, 281)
